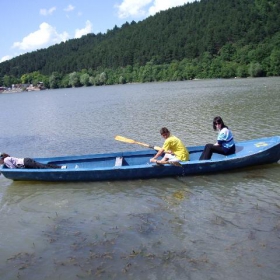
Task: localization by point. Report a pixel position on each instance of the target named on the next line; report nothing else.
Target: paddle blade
(124, 139)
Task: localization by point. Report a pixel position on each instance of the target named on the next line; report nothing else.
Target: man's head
(165, 133)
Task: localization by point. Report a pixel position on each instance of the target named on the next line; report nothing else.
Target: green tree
(122, 80)
(92, 80)
(26, 79)
(242, 71)
(227, 52)
(103, 78)
(65, 81)
(255, 69)
(275, 62)
(54, 80)
(7, 81)
(84, 79)
(74, 79)
(228, 70)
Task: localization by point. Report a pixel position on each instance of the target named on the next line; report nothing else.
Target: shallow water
(222, 226)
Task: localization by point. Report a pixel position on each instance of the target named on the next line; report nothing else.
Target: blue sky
(35, 24)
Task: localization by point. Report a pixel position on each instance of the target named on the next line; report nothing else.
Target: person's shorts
(171, 157)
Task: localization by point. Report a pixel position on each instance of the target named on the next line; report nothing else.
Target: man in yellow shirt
(173, 148)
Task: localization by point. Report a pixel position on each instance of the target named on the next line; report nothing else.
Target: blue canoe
(136, 164)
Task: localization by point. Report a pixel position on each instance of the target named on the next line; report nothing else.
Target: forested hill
(205, 35)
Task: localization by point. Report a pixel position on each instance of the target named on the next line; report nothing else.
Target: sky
(31, 25)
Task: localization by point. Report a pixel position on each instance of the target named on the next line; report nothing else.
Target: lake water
(222, 226)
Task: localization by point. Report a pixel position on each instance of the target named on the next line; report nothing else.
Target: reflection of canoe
(136, 165)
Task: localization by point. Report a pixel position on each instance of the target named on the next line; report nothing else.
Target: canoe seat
(119, 161)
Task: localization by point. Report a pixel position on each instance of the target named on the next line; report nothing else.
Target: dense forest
(205, 39)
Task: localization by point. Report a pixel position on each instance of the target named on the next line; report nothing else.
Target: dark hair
(218, 119)
(4, 155)
(164, 130)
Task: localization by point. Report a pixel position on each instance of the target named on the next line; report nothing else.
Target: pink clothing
(12, 162)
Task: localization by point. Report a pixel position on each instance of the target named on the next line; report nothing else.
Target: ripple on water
(222, 226)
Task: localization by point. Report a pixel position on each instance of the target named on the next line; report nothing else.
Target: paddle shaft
(131, 141)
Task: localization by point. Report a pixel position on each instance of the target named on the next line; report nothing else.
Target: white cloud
(4, 58)
(132, 8)
(80, 32)
(140, 8)
(44, 37)
(69, 8)
(46, 12)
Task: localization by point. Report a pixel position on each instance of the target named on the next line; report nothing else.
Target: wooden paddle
(130, 141)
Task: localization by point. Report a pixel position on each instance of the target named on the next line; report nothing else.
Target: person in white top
(13, 162)
(225, 143)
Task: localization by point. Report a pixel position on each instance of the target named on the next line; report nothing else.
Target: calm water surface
(222, 226)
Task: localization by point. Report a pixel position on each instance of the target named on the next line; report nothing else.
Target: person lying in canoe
(225, 143)
(173, 149)
(12, 162)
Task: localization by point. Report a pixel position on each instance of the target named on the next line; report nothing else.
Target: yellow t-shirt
(176, 146)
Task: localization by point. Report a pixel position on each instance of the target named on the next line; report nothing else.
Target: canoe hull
(136, 165)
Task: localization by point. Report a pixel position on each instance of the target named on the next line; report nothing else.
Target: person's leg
(53, 166)
(168, 158)
(32, 164)
(164, 160)
(218, 150)
(172, 158)
(207, 152)
(209, 149)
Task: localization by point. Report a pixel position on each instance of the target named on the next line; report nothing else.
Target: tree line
(206, 39)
